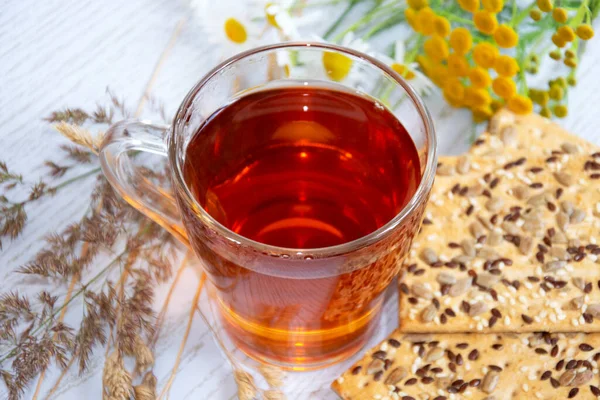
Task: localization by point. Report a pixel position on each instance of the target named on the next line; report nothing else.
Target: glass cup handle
(122, 141)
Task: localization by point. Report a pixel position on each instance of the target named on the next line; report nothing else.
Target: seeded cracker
(476, 366)
(512, 250)
(509, 135)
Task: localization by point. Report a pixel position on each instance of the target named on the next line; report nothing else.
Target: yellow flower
(469, 5)
(566, 33)
(476, 98)
(504, 87)
(485, 54)
(535, 15)
(545, 112)
(506, 66)
(569, 53)
(336, 65)
(441, 26)
(454, 92)
(543, 99)
(425, 17)
(556, 92)
(482, 114)
(494, 6)
(555, 55)
(560, 110)
(496, 104)
(485, 22)
(585, 32)
(520, 104)
(572, 81)
(458, 65)
(558, 41)
(235, 31)
(570, 62)
(436, 48)
(544, 5)
(426, 64)
(560, 15)
(411, 18)
(439, 75)
(506, 37)
(479, 77)
(417, 4)
(461, 40)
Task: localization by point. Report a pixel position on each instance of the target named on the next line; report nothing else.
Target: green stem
(339, 20)
(77, 178)
(452, 17)
(370, 15)
(395, 19)
(518, 18)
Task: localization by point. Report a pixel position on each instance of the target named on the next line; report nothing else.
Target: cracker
(510, 135)
(512, 250)
(476, 366)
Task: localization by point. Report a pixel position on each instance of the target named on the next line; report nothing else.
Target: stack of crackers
(500, 295)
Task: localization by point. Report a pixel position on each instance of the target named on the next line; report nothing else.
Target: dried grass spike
(274, 395)
(147, 389)
(274, 376)
(80, 136)
(116, 381)
(246, 387)
(143, 355)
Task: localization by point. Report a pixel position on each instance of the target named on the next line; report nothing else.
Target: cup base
(297, 350)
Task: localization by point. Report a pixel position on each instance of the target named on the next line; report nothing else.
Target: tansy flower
(506, 66)
(436, 48)
(461, 40)
(560, 15)
(520, 105)
(439, 74)
(441, 26)
(535, 15)
(558, 41)
(485, 55)
(469, 5)
(556, 92)
(545, 112)
(544, 5)
(506, 37)
(566, 33)
(228, 25)
(485, 22)
(476, 98)
(560, 110)
(454, 92)
(419, 82)
(504, 87)
(417, 4)
(479, 77)
(458, 65)
(585, 32)
(481, 114)
(424, 22)
(493, 6)
(496, 104)
(411, 18)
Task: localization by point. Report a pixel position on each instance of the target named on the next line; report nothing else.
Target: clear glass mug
(296, 308)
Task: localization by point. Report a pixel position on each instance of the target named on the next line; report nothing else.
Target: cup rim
(379, 234)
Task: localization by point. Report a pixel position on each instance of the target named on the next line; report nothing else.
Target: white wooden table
(59, 53)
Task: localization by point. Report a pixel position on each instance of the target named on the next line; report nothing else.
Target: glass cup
(295, 308)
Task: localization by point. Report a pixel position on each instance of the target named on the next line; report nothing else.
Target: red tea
(300, 167)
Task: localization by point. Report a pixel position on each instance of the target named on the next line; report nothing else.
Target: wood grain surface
(59, 53)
